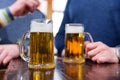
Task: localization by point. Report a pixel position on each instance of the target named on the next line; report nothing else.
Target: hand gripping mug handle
(24, 46)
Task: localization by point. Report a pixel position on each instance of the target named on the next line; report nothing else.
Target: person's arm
(19, 8)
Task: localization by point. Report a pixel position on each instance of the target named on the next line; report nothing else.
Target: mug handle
(89, 39)
(89, 36)
(24, 46)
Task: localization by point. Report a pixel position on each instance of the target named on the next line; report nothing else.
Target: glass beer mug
(74, 43)
(36, 46)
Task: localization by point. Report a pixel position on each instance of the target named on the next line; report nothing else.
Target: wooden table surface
(18, 70)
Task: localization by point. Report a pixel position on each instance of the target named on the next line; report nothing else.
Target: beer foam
(74, 28)
(41, 27)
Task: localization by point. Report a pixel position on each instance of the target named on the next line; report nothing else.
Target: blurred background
(56, 9)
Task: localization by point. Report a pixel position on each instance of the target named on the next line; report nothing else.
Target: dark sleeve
(60, 36)
(116, 19)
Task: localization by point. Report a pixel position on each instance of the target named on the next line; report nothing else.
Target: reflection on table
(18, 70)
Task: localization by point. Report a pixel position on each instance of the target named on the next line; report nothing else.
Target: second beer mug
(36, 46)
(74, 46)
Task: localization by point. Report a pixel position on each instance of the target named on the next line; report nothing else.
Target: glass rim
(74, 28)
(45, 20)
(41, 25)
(74, 24)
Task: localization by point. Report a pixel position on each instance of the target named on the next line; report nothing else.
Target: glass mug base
(74, 61)
(41, 66)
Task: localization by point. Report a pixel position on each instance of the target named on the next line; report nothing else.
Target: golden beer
(75, 48)
(74, 44)
(41, 50)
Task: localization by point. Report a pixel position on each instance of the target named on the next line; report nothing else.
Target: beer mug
(74, 43)
(36, 46)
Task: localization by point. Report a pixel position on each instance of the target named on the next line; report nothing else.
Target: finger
(95, 51)
(1, 49)
(35, 4)
(94, 45)
(86, 42)
(89, 47)
(105, 59)
(25, 12)
(86, 50)
(2, 56)
(102, 58)
(63, 53)
(6, 60)
(32, 5)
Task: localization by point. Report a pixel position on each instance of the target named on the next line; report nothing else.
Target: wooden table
(18, 70)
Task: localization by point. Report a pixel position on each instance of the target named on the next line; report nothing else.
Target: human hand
(100, 53)
(63, 53)
(22, 7)
(8, 52)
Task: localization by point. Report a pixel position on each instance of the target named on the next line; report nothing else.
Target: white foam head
(41, 25)
(74, 28)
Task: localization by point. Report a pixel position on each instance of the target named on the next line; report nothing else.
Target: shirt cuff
(9, 14)
(5, 17)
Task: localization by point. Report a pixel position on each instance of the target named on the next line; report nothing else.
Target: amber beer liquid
(74, 44)
(41, 46)
(41, 49)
